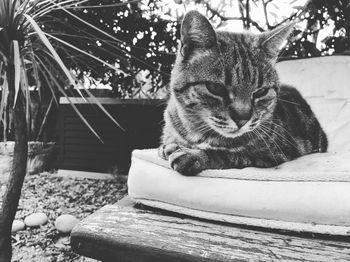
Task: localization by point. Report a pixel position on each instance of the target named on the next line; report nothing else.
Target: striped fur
(227, 108)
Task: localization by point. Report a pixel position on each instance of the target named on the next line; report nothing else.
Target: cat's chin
(231, 132)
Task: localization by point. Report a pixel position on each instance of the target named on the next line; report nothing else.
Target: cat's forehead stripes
(240, 59)
(228, 77)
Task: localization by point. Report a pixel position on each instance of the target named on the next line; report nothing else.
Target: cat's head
(226, 81)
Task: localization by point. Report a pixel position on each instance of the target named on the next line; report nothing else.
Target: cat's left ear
(270, 42)
(196, 32)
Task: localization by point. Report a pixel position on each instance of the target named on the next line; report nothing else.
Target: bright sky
(277, 10)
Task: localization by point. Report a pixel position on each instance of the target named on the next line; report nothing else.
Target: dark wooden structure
(81, 150)
(124, 232)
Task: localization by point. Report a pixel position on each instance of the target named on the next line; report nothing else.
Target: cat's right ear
(271, 41)
(196, 32)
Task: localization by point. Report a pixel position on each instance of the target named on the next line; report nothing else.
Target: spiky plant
(27, 59)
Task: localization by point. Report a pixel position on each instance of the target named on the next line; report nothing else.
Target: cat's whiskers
(271, 122)
(191, 115)
(202, 128)
(208, 133)
(257, 133)
(287, 101)
(273, 141)
(282, 129)
(279, 137)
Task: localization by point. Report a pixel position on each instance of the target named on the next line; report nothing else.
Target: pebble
(36, 219)
(65, 223)
(18, 225)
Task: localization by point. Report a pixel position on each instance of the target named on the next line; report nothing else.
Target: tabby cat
(227, 108)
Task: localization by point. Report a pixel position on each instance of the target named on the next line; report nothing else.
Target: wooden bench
(125, 232)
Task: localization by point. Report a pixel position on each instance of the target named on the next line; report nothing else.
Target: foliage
(27, 56)
(320, 15)
(133, 37)
(26, 45)
(324, 26)
(128, 46)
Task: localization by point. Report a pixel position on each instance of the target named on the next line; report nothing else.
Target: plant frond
(95, 101)
(26, 92)
(103, 6)
(4, 95)
(48, 45)
(85, 53)
(70, 102)
(17, 65)
(47, 80)
(49, 6)
(89, 24)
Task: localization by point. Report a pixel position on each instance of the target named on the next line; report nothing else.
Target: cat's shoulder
(290, 97)
(289, 91)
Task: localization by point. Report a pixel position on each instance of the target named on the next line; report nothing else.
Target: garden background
(117, 49)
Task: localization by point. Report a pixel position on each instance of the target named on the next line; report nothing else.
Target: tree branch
(217, 13)
(246, 20)
(265, 13)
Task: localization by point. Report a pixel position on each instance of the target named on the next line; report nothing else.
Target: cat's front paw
(164, 151)
(188, 162)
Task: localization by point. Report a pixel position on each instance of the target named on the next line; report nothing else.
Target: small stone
(18, 225)
(36, 219)
(65, 223)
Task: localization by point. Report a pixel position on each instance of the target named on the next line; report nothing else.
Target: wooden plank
(112, 101)
(125, 233)
(95, 148)
(88, 163)
(107, 134)
(92, 142)
(94, 155)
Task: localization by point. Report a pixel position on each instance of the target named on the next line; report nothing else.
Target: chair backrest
(325, 83)
(327, 76)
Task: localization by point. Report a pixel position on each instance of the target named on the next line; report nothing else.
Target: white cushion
(309, 194)
(325, 83)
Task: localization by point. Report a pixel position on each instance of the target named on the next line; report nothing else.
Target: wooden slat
(92, 154)
(89, 163)
(88, 133)
(97, 120)
(124, 233)
(87, 140)
(142, 130)
(113, 101)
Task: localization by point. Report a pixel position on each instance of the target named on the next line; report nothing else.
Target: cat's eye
(260, 92)
(216, 89)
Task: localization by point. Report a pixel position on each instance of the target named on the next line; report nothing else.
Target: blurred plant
(134, 37)
(324, 26)
(29, 60)
(255, 15)
(327, 30)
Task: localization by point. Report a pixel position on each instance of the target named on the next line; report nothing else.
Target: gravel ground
(53, 195)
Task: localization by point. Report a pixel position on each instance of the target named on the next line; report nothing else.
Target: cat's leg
(165, 150)
(186, 161)
(190, 162)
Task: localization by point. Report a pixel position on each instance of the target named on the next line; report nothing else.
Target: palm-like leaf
(28, 48)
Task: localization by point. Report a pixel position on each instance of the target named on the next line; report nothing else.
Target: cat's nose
(240, 112)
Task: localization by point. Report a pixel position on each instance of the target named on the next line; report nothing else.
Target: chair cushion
(310, 194)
